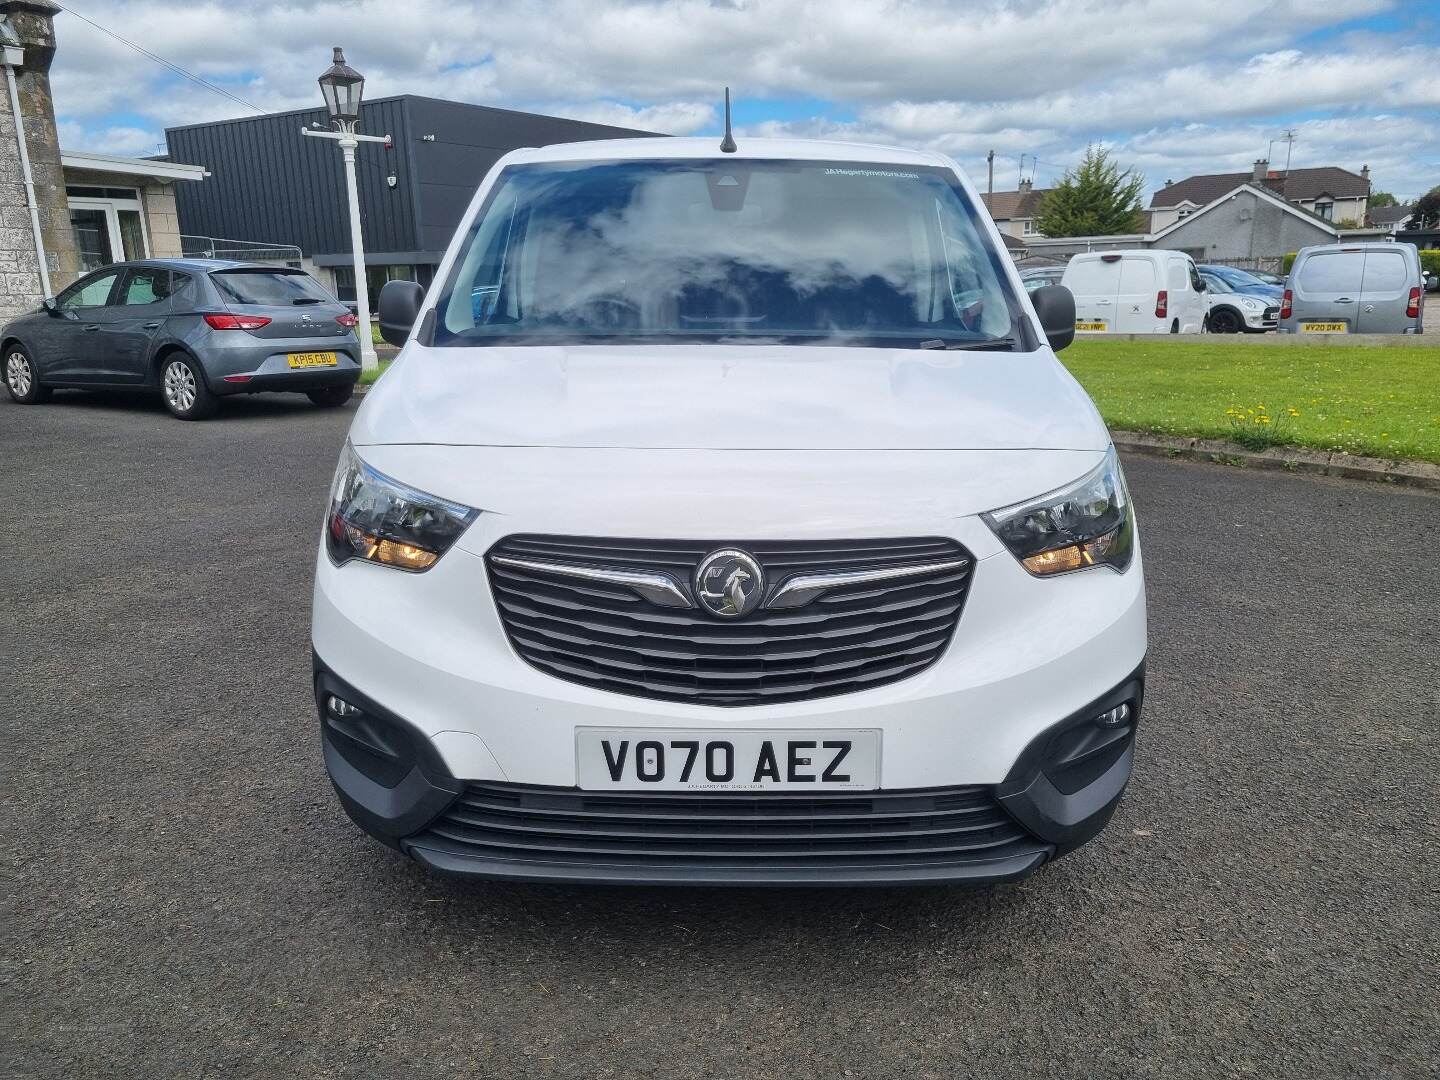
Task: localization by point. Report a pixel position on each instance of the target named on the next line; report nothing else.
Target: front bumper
(1060, 793)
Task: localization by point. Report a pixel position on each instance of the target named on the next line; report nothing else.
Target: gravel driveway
(182, 895)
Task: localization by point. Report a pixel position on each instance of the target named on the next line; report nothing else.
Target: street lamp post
(342, 86)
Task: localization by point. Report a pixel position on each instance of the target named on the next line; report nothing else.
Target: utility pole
(990, 184)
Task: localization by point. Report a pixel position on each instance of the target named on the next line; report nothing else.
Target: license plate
(1323, 327)
(312, 359)
(629, 759)
(1089, 326)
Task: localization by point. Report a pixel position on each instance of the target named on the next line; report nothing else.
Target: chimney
(1259, 171)
(1169, 182)
(1365, 173)
(1026, 185)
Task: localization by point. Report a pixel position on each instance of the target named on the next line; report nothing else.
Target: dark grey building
(270, 184)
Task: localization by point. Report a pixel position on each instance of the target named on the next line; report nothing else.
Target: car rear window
(1386, 271)
(1331, 271)
(1091, 277)
(1137, 276)
(269, 288)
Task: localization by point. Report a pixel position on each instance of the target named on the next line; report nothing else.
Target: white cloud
(1178, 89)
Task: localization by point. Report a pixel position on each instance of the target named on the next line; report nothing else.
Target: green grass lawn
(367, 377)
(1382, 401)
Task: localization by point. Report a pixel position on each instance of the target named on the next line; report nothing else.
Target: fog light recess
(1113, 718)
(340, 707)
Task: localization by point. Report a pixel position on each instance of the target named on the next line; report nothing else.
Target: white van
(1136, 292)
(728, 519)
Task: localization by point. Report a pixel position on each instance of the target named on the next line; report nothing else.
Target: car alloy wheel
(18, 375)
(1225, 321)
(180, 386)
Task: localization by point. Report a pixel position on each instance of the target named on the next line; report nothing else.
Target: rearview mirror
(1055, 307)
(400, 303)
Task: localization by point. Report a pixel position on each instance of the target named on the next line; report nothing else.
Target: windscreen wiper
(989, 345)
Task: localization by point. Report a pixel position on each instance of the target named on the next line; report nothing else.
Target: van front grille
(930, 826)
(609, 636)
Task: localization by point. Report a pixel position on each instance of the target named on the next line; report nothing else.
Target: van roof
(1128, 253)
(751, 148)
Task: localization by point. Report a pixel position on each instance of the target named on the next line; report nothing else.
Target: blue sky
(1172, 86)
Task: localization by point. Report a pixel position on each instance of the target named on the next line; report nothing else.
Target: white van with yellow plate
(1136, 292)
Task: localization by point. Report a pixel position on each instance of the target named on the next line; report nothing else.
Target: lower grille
(608, 636)
(564, 826)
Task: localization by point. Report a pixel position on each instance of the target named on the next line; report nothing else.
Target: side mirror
(49, 305)
(1055, 307)
(1202, 287)
(400, 303)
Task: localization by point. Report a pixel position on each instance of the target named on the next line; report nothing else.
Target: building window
(375, 279)
(109, 227)
(1027, 227)
(1325, 210)
(1185, 213)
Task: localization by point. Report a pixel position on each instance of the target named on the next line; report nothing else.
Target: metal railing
(216, 247)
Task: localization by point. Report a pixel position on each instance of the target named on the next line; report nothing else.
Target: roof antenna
(727, 144)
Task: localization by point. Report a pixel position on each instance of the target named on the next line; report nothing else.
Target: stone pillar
(31, 23)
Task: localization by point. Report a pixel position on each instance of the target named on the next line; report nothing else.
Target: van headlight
(1087, 523)
(375, 518)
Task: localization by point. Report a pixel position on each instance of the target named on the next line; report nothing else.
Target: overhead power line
(188, 74)
(162, 61)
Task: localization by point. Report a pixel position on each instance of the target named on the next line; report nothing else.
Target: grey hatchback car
(195, 330)
(1368, 288)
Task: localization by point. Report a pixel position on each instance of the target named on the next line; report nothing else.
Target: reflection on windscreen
(706, 250)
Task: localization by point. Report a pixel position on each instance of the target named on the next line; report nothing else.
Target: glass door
(92, 237)
(108, 230)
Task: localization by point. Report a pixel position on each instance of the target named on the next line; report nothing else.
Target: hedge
(1429, 261)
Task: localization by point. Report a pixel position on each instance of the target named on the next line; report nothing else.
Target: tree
(1380, 199)
(1096, 198)
(1426, 214)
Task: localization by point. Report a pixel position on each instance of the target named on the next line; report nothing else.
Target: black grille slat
(609, 637)
(727, 829)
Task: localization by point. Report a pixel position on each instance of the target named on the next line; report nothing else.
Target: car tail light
(347, 319)
(1162, 304)
(1285, 305)
(1412, 309)
(236, 322)
(1109, 258)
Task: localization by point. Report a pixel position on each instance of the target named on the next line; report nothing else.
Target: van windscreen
(706, 250)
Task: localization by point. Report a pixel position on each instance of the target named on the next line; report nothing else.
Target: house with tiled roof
(1014, 212)
(1391, 218)
(1328, 192)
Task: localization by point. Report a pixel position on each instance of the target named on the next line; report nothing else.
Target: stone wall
(31, 22)
(19, 269)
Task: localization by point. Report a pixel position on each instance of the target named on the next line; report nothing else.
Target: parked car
(1149, 291)
(1233, 312)
(1240, 281)
(1366, 288)
(701, 552)
(193, 330)
(1039, 277)
(1278, 280)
